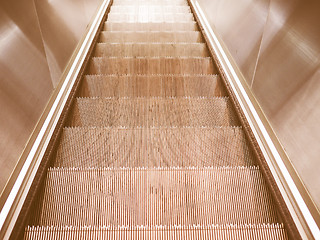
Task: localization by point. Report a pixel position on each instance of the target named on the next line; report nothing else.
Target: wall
(276, 44)
(37, 38)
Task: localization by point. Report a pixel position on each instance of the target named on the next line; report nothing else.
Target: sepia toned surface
(156, 197)
(240, 24)
(62, 24)
(25, 83)
(37, 39)
(153, 147)
(276, 44)
(152, 86)
(222, 232)
(153, 140)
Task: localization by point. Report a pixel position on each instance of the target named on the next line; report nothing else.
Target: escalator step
(155, 196)
(151, 17)
(150, 50)
(151, 36)
(133, 65)
(143, 112)
(216, 232)
(152, 86)
(141, 10)
(150, 2)
(174, 26)
(153, 147)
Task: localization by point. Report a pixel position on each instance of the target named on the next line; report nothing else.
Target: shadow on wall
(37, 40)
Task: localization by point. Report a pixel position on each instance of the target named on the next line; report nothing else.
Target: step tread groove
(154, 111)
(153, 147)
(151, 86)
(218, 232)
(156, 196)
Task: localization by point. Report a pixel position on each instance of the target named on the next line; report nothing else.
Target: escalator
(153, 147)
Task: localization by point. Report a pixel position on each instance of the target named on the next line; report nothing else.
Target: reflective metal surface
(25, 83)
(37, 39)
(276, 44)
(240, 24)
(287, 84)
(62, 24)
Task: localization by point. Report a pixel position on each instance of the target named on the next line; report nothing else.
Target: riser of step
(161, 2)
(150, 17)
(217, 232)
(174, 26)
(152, 3)
(151, 37)
(101, 197)
(152, 86)
(153, 147)
(143, 112)
(132, 65)
(149, 9)
(150, 50)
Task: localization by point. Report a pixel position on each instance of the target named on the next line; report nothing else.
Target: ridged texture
(173, 26)
(143, 65)
(151, 37)
(151, 86)
(165, 196)
(135, 112)
(215, 232)
(141, 9)
(150, 50)
(152, 17)
(153, 147)
(150, 2)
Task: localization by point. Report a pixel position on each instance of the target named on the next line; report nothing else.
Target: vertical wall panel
(289, 57)
(276, 44)
(62, 24)
(25, 83)
(240, 24)
(287, 84)
(37, 39)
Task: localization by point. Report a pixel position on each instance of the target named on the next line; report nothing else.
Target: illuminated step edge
(218, 232)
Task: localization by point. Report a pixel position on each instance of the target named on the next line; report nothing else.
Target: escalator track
(153, 148)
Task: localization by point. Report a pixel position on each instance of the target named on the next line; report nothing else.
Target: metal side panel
(300, 205)
(13, 197)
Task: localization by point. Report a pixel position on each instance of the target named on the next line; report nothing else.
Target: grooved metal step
(174, 26)
(211, 232)
(162, 2)
(152, 86)
(150, 2)
(149, 9)
(151, 17)
(151, 37)
(160, 196)
(154, 65)
(153, 147)
(134, 112)
(150, 50)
